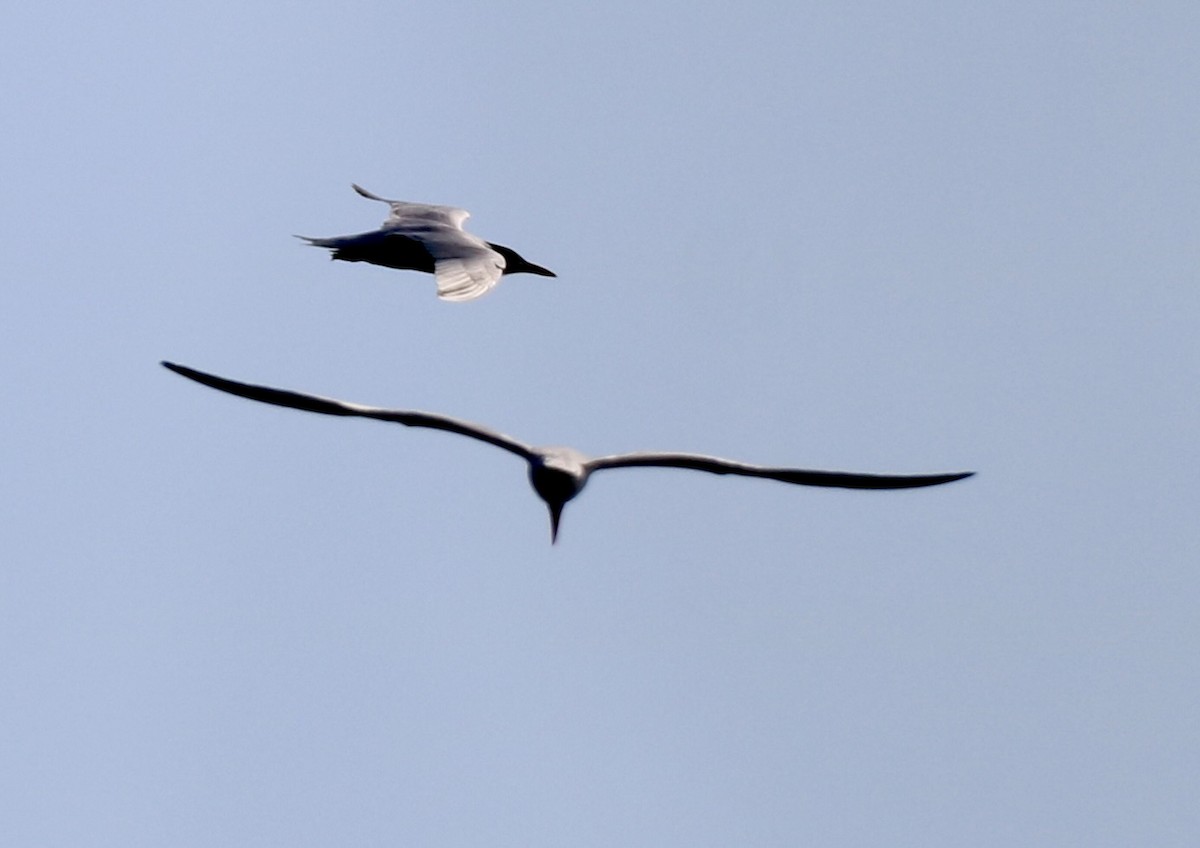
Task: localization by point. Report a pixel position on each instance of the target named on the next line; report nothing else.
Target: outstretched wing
(465, 265)
(405, 214)
(799, 476)
(329, 406)
(468, 275)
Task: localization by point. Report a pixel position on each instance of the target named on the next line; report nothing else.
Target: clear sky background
(865, 236)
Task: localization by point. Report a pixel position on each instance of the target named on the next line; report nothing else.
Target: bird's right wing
(469, 276)
(329, 406)
(799, 476)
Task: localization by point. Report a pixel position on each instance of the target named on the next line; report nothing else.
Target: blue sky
(852, 236)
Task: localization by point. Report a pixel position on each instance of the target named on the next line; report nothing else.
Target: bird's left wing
(329, 406)
(799, 476)
(404, 214)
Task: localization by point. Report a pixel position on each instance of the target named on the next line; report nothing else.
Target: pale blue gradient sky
(859, 236)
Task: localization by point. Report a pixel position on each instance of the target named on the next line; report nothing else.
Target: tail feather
(320, 242)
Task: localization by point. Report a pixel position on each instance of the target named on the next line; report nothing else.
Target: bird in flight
(559, 474)
(423, 237)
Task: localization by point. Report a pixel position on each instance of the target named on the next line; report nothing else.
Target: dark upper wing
(329, 406)
(800, 476)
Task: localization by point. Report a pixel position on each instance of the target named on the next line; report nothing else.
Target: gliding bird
(423, 237)
(559, 474)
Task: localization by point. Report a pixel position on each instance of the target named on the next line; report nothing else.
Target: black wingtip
(369, 195)
(190, 373)
(940, 479)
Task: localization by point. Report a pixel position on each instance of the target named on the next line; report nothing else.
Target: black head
(557, 475)
(555, 488)
(515, 263)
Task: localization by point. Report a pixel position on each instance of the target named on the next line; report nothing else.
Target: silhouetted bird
(559, 474)
(423, 237)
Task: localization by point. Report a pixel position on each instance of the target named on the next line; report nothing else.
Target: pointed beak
(555, 514)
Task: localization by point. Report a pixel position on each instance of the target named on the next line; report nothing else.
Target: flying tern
(558, 474)
(428, 238)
